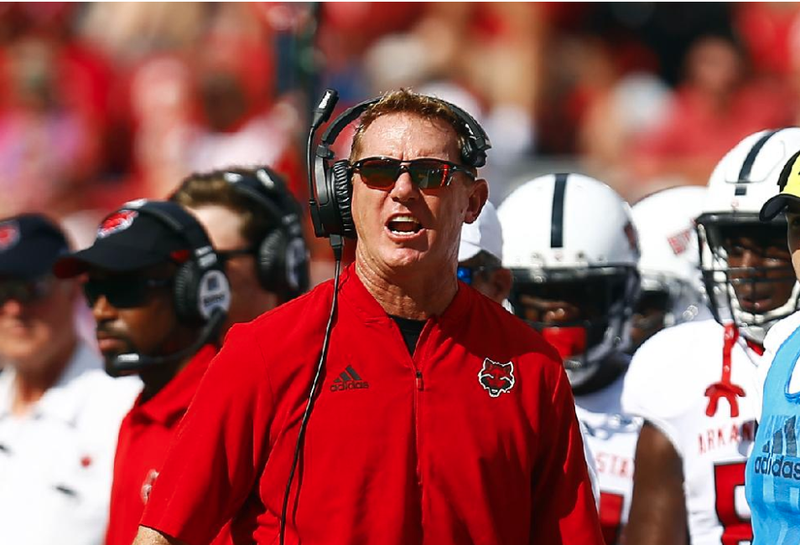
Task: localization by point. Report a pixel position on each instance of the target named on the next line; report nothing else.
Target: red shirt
(398, 449)
(144, 438)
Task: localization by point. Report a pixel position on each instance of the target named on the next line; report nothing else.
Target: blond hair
(407, 101)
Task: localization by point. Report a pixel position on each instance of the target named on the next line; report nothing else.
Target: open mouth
(404, 225)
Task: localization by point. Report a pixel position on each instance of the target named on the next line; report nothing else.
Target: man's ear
(479, 194)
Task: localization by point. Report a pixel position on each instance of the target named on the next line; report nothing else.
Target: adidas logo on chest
(348, 380)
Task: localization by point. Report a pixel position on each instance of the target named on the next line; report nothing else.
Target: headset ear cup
(270, 261)
(186, 292)
(343, 192)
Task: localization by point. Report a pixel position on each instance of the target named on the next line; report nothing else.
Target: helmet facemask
(584, 313)
(752, 297)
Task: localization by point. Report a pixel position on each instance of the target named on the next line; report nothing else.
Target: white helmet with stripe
(571, 237)
(739, 186)
(670, 263)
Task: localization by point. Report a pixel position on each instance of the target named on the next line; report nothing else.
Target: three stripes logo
(778, 456)
(348, 380)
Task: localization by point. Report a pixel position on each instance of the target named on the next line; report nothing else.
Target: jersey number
(727, 479)
(611, 516)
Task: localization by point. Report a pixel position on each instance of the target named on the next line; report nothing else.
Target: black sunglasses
(26, 292)
(226, 255)
(122, 291)
(382, 172)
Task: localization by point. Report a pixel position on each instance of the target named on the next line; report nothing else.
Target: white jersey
(611, 437)
(666, 384)
(56, 461)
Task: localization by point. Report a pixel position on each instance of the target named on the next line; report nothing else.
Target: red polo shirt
(472, 440)
(144, 438)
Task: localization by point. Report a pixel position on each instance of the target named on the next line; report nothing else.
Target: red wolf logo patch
(497, 378)
(116, 222)
(9, 235)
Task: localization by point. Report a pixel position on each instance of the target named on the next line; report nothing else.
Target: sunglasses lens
(428, 174)
(379, 172)
(24, 292)
(465, 275)
(119, 292)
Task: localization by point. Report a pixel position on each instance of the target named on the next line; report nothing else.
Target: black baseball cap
(127, 240)
(29, 245)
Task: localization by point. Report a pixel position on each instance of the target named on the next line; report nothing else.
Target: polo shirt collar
(352, 290)
(61, 401)
(171, 402)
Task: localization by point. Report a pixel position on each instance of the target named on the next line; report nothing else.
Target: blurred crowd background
(104, 102)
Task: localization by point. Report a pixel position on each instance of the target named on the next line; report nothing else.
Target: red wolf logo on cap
(118, 221)
(497, 378)
(9, 235)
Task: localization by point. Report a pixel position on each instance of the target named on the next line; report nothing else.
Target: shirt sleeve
(564, 509)
(219, 448)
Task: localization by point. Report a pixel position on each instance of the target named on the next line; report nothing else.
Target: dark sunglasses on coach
(382, 172)
(26, 291)
(123, 291)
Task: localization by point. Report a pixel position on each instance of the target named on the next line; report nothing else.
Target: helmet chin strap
(724, 387)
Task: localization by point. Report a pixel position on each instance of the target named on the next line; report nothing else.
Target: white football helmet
(741, 183)
(571, 234)
(670, 262)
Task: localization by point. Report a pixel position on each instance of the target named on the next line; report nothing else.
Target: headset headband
(476, 149)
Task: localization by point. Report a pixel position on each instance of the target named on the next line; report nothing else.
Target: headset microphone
(133, 362)
(325, 108)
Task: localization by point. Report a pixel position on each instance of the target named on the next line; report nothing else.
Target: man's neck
(412, 296)
(30, 386)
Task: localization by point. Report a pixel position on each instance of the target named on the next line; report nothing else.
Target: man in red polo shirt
(439, 417)
(159, 299)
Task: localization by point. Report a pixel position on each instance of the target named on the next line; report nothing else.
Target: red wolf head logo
(497, 378)
(9, 235)
(118, 221)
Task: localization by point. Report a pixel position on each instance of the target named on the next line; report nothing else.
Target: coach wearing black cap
(159, 296)
(59, 412)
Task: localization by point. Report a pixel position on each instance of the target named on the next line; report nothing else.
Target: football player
(572, 248)
(672, 287)
(692, 383)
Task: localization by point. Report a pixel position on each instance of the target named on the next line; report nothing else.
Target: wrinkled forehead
(408, 136)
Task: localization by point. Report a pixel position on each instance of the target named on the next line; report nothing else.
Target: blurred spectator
(714, 107)
(59, 412)
(48, 144)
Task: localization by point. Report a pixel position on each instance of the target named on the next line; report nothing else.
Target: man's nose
(11, 307)
(403, 188)
(560, 314)
(103, 310)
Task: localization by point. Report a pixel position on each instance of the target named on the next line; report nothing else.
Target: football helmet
(741, 183)
(670, 262)
(570, 239)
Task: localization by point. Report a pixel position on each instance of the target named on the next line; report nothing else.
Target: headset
(281, 257)
(330, 192)
(201, 291)
(330, 182)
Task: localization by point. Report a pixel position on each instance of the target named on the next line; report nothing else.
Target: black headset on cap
(330, 191)
(201, 291)
(281, 257)
(329, 182)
